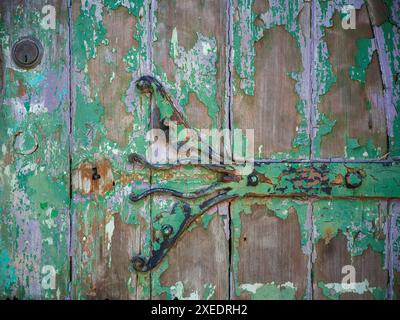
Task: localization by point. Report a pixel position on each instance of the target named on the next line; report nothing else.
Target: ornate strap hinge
(322, 180)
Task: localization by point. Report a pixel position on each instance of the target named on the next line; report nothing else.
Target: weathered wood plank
(349, 236)
(34, 162)
(353, 100)
(110, 118)
(386, 26)
(393, 250)
(197, 267)
(271, 76)
(189, 58)
(270, 240)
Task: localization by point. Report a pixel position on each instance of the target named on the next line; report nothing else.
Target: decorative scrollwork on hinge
(214, 194)
(281, 179)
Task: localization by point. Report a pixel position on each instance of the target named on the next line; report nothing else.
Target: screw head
(252, 180)
(167, 230)
(353, 179)
(144, 86)
(138, 263)
(27, 52)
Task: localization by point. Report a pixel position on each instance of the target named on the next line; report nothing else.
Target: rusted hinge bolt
(252, 180)
(353, 180)
(167, 230)
(138, 263)
(144, 86)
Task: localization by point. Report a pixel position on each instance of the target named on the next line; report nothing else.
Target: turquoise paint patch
(365, 50)
(34, 79)
(7, 274)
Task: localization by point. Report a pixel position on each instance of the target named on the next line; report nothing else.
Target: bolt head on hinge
(144, 86)
(353, 180)
(139, 263)
(252, 180)
(167, 230)
(27, 52)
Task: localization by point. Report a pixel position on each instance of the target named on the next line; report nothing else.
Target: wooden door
(85, 216)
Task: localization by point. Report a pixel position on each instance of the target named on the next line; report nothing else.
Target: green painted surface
(246, 32)
(35, 203)
(34, 165)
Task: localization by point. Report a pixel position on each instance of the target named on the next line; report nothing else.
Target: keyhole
(27, 52)
(95, 175)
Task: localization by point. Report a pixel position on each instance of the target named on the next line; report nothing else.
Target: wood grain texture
(34, 162)
(270, 47)
(285, 68)
(357, 239)
(268, 261)
(355, 100)
(393, 250)
(271, 111)
(190, 58)
(109, 52)
(198, 264)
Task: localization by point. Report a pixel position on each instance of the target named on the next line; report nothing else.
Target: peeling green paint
(33, 161)
(335, 290)
(365, 50)
(390, 64)
(354, 150)
(280, 208)
(34, 139)
(91, 143)
(196, 71)
(359, 221)
(246, 33)
(270, 291)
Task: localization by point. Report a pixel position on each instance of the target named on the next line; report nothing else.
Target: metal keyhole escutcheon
(27, 52)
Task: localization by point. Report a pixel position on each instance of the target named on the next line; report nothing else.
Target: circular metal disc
(27, 52)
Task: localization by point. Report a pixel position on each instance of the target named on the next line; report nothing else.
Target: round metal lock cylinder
(27, 52)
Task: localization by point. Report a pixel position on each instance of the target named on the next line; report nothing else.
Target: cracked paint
(107, 126)
(270, 291)
(335, 290)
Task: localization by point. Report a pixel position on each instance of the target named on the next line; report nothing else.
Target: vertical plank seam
(386, 83)
(151, 5)
(312, 131)
(310, 251)
(229, 123)
(390, 225)
(390, 110)
(312, 87)
(70, 149)
(229, 69)
(388, 251)
(230, 255)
